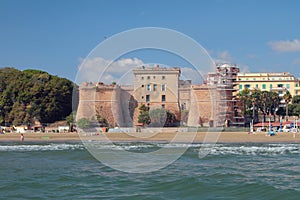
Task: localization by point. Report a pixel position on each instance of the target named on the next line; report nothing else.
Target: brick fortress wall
(119, 107)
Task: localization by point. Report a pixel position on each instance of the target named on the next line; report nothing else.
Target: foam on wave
(41, 147)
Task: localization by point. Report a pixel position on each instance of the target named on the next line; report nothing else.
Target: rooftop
(265, 74)
(156, 68)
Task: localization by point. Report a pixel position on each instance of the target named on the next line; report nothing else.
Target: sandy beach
(211, 137)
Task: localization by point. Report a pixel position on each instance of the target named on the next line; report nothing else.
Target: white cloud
(223, 57)
(285, 46)
(101, 70)
(192, 74)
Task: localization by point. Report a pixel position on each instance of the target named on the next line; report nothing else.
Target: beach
(181, 137)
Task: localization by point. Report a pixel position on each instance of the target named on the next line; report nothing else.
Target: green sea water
(229, 171)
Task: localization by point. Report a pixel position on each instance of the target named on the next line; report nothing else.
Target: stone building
(157, 87)
(160, 87)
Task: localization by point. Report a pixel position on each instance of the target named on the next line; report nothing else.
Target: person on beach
(22, 137)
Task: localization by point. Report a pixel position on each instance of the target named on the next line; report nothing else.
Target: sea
(60, 170)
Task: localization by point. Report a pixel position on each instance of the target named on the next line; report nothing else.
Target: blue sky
(56, 35)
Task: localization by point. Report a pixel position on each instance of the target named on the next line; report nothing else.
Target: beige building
(157, 87)
(279, 82)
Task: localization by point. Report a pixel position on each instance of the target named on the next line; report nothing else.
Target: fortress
(207, 104)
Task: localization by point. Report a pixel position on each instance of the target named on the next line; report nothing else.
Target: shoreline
(165, 137)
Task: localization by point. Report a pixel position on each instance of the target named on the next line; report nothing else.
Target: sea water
(229, 171)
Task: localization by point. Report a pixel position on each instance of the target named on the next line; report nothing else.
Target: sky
(58, 36)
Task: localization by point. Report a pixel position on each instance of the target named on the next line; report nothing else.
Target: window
(163, 87)
(163, 98)
(240, 87)
(254, 79)
(296, 92)
(288, 86)
(247, 86)
(148, 77)
(154, 87)
(297, 85)
(280, 85)
(163, 77)
(142, 78)
(271, 86)
(163, 106)
(154, 77)
(264, 86)
(147, 97)
(256, 86)
(247, 79)
(149, 87)
(142, 85)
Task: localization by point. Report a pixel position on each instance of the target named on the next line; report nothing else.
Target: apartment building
(279, 82)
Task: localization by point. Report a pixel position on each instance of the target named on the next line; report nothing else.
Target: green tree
(158, 117)
(244, 101)
(255, 97)
(162, 118)
(144, 115)
(296, 99)
(287, 98)
(294, 108)
(70, 121)
(33, 94)
(268, 102)
(252, 101)
(83, 123)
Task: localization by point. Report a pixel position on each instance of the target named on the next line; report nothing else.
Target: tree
(83, 123)
(252, 101)
(287, 98)
(273, 102)
(244, 101)
(33, 94)
(296, 99)
(158, 117)
(144, 115)
(294, 108)
(268, 102)
(70, 121)
(255, 97)
(162, 118)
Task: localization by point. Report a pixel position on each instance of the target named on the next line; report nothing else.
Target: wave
(211, 149)
(267, 149)
(41, 147)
